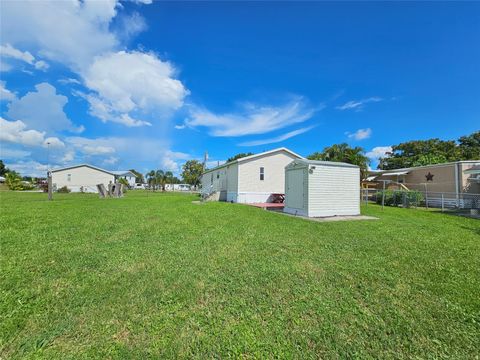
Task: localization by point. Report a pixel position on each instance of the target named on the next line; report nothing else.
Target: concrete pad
(332, 218)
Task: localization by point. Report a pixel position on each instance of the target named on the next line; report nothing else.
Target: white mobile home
(251, 179)
(127, 175)
(81, 178)
(322, 188)
(177, 187)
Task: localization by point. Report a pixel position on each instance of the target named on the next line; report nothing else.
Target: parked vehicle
(139, 186)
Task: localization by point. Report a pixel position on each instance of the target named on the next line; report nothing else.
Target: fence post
(426, 195)
(442, 204)
(383, 195)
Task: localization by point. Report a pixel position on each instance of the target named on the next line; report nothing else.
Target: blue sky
(149, 85)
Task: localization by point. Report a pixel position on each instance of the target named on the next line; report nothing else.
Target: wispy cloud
(358, 105)
(252, 118)
(277, 139)
(66, 81)
(8, 50)
(360, 134)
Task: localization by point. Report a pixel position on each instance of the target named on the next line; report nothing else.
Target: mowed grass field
(154, 275)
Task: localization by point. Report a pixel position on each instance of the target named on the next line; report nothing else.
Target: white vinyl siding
(334, 190)
(274, 169)
(81, 177)
(240, 181)
(317, 190)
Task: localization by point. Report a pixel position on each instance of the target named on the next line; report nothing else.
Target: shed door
(295, 190)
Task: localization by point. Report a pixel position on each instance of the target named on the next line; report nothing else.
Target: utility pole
(49, 175)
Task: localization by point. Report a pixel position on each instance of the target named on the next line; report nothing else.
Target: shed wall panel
(334, 190)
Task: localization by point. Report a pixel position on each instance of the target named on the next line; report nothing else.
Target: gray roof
(82, 165)
(254, 156)
(325, 163)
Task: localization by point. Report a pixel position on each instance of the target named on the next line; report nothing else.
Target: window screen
(262, 173)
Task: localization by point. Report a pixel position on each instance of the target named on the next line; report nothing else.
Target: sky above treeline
(149, 85)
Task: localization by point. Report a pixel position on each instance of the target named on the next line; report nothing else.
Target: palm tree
(160, 178)
(344, 153)
(151, 179)
(169, 177)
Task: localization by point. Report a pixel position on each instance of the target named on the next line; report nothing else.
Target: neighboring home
(455, 180)
(85, 177)
(127, 175)
(322, 188)
(177, 187)
(251, 179)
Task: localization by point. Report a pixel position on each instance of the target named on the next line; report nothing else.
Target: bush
(14, 182)
(125, 184)
(404, 198)
(64, 190)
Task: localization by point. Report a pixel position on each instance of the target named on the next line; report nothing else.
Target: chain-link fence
(416, 198)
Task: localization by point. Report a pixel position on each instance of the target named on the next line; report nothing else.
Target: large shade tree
(431, 151)
(192, 171)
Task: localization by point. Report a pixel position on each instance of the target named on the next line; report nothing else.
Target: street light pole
(48, 157)
(49, 174)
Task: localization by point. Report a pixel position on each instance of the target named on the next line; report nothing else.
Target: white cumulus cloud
(42, 110)
(133, 82)
(72, 32)
(16, 132)
(378, 152)
(6, 94)
(360, 134)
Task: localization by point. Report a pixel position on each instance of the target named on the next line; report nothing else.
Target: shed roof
(325, 163)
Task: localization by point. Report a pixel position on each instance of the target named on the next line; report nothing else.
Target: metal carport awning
(398, 173)
(472, 171)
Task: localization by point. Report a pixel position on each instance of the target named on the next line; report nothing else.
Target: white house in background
(322, 188)
(251, 179)
(127, 175)
(82, 177)
(177, 187)
(85, 177)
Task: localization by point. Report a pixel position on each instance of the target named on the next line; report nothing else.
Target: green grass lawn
(153, 275)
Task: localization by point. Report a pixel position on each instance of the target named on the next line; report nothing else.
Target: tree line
(407, 154)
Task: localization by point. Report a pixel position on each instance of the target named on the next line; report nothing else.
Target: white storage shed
(322, 188)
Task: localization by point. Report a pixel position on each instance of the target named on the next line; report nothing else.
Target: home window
(211, 179)
(262, 173)
(69, 177)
